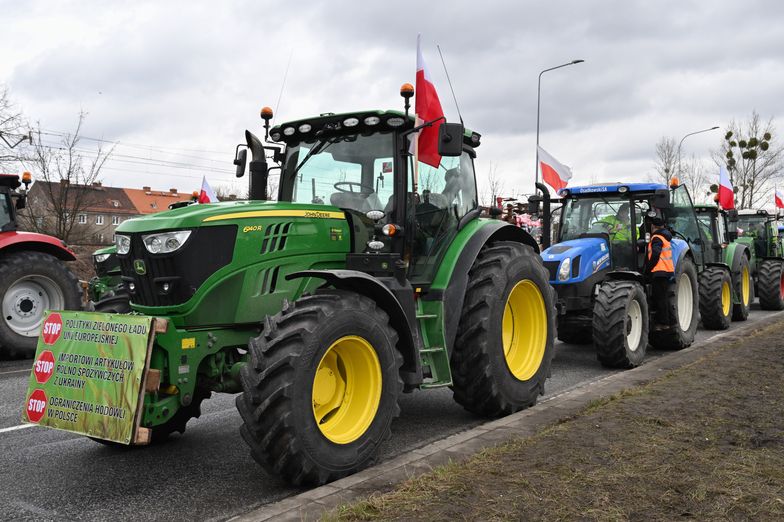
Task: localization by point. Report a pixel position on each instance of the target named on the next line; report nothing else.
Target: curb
(312, 504)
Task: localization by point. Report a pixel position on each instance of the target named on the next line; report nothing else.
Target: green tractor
(371, 275)
(107, 273)
(758, 230)
(720, 246)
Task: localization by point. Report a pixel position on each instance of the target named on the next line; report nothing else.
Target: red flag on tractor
(427, 108)
(779, 197)
(554, 173)
(726, 193)
(207, 195)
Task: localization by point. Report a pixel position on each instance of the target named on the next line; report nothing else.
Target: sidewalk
(703, 441)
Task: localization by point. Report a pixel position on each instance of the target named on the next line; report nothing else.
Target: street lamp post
(538, 105)
(678, 153)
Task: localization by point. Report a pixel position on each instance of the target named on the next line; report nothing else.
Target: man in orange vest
(660, 268)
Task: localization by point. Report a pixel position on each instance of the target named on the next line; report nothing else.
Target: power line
(126, 144)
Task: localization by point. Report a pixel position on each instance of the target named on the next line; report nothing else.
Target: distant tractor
(721, 247)
(596, 268)
(107, 273)
(760, 232)
(33, 277)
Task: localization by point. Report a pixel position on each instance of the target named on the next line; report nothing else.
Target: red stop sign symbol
(44, 367)
(36, 405)
(52, 328)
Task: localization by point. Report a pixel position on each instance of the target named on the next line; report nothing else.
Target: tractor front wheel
(743, 289)
(771, 284)
(715, 298)
(684, 307)
(30, 284)
(620, 324)
(321, 387)
(504, 345)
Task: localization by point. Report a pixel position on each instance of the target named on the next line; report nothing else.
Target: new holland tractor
(596, 268)
(721, 246)
(758, 230)
(370, 276)
(33, 275)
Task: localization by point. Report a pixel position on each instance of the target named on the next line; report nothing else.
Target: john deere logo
(138, 266)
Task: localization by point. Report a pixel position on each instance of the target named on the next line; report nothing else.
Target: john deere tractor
(718, 230)
(596, 268)
(107, 273)
(371, 275)
(758, 230)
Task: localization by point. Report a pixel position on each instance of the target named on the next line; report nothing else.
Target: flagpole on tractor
(538, 105)
(678, 153)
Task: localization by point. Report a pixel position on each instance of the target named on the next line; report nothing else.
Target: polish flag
(779, 197)
(726, 194)
(554, 173)
(427, 108)
(207, 195)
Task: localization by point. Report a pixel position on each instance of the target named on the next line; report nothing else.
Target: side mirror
(661, 199)
(240, 160)
(21, 202)
(450, 139)
(732, 216)
(533, 204)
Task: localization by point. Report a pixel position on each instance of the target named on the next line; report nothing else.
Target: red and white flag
(427, 108)
(207, 195)
(726, 193)
(554, 173)
(779, 197)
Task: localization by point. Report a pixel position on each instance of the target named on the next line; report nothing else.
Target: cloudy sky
(177, 83)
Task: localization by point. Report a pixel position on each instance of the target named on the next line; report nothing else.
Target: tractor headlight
(123, 244)
(100, 258)
(563, 272)
(165, 242)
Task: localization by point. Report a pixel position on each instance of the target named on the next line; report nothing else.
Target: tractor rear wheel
(743, 289)
(715, 298)
(321, 387)
(683, 303)
(771, 284)
(620, 324)
(30, 284)
(504, 345)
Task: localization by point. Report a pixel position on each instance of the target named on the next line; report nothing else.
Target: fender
(738, 250)
(720, 265)
(626, 275)
(466, 252)
(18, 241)
(395, 299)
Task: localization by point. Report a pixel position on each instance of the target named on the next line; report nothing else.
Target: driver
(619, 225)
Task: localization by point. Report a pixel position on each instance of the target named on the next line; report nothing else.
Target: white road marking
(20, 427)
(16, 371)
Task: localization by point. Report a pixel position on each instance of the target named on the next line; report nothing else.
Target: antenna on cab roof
(450, 85)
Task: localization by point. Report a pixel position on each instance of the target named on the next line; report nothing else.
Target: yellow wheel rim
(726, 299)
(745, 285)
(346, 389)
(524, 331)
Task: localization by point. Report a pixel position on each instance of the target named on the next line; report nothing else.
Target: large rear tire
(715, 298)
(321, 388)
(30, 284)
(504, 344)
(684, 308)
(620, 324)
(771, 284)
(743, 289)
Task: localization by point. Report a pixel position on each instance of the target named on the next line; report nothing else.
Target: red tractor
(33, 278)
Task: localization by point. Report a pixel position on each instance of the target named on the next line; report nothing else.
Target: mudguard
(18, 241)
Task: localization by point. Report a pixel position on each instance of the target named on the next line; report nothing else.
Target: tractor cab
(761, 230)
(9, 183)
(716, 228)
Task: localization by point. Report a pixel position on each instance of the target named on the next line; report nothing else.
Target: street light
(678, 153)
(538, 104)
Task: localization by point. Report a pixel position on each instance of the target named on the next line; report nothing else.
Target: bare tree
(11, 132)
(666, 159)
(67, 174)
(753, 160)
(494, 186)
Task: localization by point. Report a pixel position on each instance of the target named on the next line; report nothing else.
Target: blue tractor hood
(586, 256)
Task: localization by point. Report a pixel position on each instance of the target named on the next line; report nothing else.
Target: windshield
(595, 216)
(351, 172)
(5, 211)
(751, 226)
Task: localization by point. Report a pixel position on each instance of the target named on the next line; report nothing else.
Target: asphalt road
(207, 473)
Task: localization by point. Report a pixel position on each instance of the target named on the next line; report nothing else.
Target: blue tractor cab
(597, 262)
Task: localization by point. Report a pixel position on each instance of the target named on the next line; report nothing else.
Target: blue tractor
(596, 268)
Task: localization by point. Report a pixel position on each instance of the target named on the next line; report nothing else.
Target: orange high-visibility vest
(665, 258)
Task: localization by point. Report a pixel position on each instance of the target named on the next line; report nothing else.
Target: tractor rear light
(351, 122)
(372, 120)
(123, 244)
(165, 242)
(563, 272)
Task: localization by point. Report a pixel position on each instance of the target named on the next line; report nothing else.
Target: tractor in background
(721, 246)
(759, 231)
(33, 276)
(371, 275)
(596, 268)
(107, 273)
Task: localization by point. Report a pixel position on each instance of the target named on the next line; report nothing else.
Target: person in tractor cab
(619, 225)
(660, 269)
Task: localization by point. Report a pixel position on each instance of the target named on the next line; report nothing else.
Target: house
(148, 201)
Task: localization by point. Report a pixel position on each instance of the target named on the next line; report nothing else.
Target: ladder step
(432, 349)
(427, 316)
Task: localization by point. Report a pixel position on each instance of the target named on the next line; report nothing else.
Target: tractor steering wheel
(368, 189)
